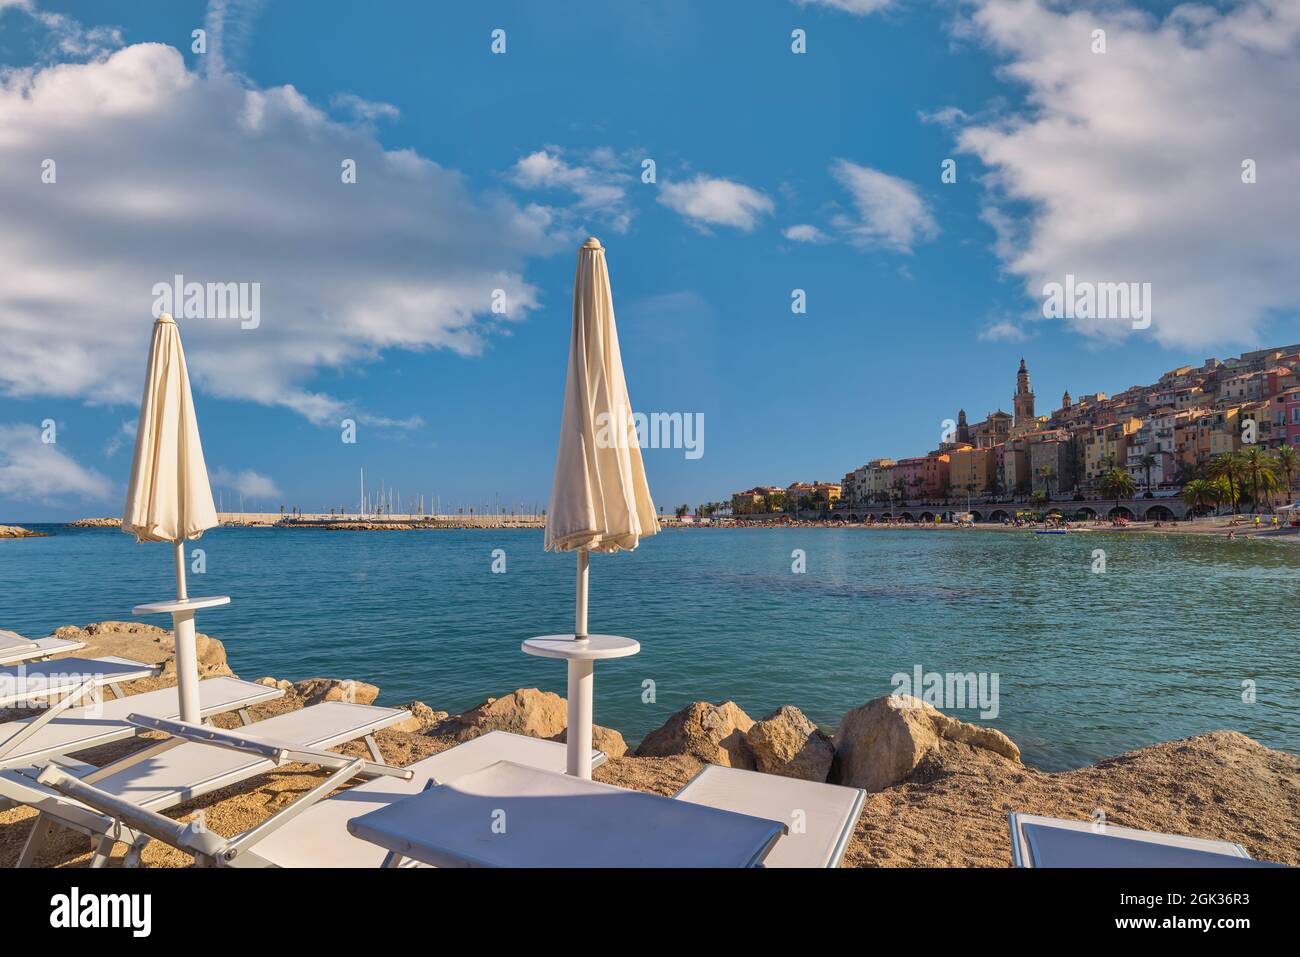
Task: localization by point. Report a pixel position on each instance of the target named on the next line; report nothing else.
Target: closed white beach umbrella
(600, 501)
(169, 498)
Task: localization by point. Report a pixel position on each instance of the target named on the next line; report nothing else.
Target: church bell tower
(1023, 401)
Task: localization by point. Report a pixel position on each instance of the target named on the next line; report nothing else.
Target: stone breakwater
(939, 789)
(257, 520)
(15, 531)
(404, 526)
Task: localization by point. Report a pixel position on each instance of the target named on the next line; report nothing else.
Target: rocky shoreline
(939, 788)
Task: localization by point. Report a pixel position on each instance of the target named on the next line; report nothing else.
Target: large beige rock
(316, 690)
(713, 733)
(882, 742)
(538, 714)
(788, 744)
(422, 718)
(602, 739)
(147, 643)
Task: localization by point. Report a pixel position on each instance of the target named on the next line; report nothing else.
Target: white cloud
(161, 171)
(31, 470)
(711, 201)
(945, 116)
(858, 7)
(246, 482)
(229, 26)
(805, 233)
(1129, 161)
(124, 436)
(363, 110)
(598, 180)
(1003, 331)
(64, 36)
(889, 211)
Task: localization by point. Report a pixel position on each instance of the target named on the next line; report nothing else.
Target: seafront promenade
(1166, 508)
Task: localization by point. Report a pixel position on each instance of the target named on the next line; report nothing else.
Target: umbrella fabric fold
(600, 500)
(169, 498)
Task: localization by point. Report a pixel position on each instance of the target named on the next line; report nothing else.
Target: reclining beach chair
(68, 679)
(1054, 842)
(312, 832)
(820, 817)
(195, 760)
(15, 648)
(60, 685)
(56, 734)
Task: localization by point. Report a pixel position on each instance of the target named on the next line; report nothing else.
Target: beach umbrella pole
(580, 684)
(187, 658)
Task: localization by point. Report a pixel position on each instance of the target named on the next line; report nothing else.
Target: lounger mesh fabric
(1054, 847)
(319, 837)
(559, 820)
(820, 816)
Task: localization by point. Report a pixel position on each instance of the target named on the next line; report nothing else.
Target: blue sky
(775, 171)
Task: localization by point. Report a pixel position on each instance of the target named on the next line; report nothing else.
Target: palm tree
(1201, 494)
(1227, 466)
(1119, 484)
(1147, 462)
(1255, 464)
(1285, 461)
(1047, 473)
(1268, 485)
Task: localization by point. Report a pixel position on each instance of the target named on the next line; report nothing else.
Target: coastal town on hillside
(1222, 433)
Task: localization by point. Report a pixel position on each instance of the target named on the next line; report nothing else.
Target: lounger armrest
(204, 734)
(197, 841)
(278, 751)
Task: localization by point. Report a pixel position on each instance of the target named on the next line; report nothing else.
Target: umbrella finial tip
(591, 243)
(166, 317)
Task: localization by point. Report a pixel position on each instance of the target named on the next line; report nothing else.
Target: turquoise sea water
(1088, 665)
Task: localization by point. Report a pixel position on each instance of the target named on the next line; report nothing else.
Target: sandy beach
(949, 810)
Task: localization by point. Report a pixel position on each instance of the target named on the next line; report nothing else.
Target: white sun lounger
(820, 817)
(195, 761)
(15, 648)
(61, 685)
(70, 679)
(1054, 842)
(313, 832)
(76, 729)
